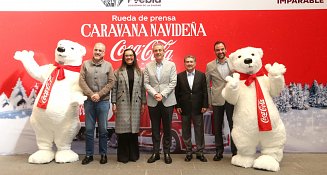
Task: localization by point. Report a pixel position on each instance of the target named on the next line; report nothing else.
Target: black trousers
(159, 114)
(128, 147)
(198, 125)
(218, 113)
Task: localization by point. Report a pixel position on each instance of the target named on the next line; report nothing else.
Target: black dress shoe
(154, 157)
(133, 160)
(188, 157)
(122, 161)
(218, 157)
(168, 159)
(202, 158)
(87, 160)
(103, 159)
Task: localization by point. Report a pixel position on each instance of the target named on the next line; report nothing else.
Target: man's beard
(221, 55)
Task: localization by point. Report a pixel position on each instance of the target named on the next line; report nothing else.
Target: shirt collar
(217, 62)
(190, 73)
(97, 63)
(159, 64)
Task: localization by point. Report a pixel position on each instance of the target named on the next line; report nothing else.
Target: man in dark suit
(192, 102)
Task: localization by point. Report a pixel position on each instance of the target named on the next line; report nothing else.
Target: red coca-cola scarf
(58, 73)
(262, 109)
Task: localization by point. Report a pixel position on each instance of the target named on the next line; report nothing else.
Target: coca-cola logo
(143, 51)
(46, 91)
(263, 111)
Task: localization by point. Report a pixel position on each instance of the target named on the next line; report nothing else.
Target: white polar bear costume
(58, 121)
(245, 133)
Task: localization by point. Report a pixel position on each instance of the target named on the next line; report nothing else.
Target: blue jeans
(96, 112)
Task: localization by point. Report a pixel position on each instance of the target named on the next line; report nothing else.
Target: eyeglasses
(129, 55)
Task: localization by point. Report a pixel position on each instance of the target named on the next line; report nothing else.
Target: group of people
(191, 92)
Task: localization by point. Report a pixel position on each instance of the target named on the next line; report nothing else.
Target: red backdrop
(296, 38)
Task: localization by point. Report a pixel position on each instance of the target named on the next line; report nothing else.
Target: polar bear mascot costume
(256, 119)
(55, 117)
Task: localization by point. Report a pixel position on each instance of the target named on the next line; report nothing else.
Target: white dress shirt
(158, 70)
(223, 69)
(190, 78)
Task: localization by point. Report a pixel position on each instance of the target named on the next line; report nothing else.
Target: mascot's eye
(239, 56)
(72, 48)
(252, 54)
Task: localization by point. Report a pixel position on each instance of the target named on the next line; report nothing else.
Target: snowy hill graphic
(295, 96)
(5, 103)
(303, 111)
(18, 105)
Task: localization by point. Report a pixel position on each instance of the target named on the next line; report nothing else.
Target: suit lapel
(136, 79)
(185, 80)
(196, 78)
(154, 69)
(162, 70)
(216, 70)
(125, 76)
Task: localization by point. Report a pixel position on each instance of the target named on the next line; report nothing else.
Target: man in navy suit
(192, 102)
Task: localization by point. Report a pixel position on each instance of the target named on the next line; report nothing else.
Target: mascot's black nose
(248, 61)
(61, 49)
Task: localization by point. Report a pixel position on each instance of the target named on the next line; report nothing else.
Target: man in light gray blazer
(160, 79)
(216, 72)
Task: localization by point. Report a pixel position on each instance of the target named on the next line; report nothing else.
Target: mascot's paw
(275, 69)
(65, 156)
(242, 161)
(232, 82)
(266, 162)
(78, 100)
(41, 156)
(24, 55)
(81, 100)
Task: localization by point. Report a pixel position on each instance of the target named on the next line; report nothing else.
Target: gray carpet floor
(292, 164)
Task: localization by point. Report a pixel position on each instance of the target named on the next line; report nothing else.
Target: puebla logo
(112, 3)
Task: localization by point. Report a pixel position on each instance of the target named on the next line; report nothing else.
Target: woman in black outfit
(128, 99)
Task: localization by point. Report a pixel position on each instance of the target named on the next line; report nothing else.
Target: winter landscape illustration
(303, 109)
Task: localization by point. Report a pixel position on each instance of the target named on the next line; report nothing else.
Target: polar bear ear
(83, 50)
(260, 52)
(232, 55)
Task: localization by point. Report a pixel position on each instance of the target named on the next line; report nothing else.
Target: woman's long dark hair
(134, 65)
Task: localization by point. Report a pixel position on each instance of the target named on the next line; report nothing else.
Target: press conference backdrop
(291, 32)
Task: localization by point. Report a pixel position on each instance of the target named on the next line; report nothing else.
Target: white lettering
(140, 30)
(46, 92)
(263, 111)
(144, 50)
(176, 29)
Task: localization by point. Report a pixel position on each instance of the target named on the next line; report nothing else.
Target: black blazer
(191, 101)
